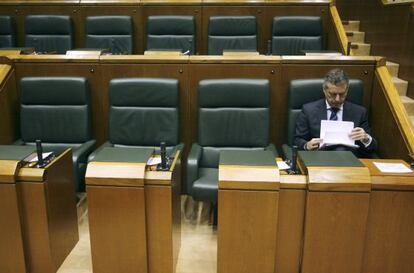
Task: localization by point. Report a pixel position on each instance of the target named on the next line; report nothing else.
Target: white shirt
(339, 114)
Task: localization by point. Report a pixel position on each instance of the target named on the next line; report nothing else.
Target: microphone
(190, 47)
(39, 151)
(293, 166)
(163, 156)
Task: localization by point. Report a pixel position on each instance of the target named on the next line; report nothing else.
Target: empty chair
(233, 114)
(143, 112)
(7, 32)
(291, 35)
(110, 32)
(56, 110)
(308, 90)
(171, 33)
(48, 33)
(236, 33)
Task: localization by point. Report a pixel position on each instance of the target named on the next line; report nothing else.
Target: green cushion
(15, 152)
(116, 154)
(248, 158)
(205, 188)
(7, 32)
(329, 159)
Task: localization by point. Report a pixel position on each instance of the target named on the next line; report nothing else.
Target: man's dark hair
(336, 77)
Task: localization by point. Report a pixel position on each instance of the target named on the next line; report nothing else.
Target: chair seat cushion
(206, 186)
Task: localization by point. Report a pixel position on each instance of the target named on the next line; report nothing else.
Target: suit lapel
(346, 114)
(322, 112)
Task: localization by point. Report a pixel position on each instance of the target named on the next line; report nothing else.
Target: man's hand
(313, 144)
(359, 134)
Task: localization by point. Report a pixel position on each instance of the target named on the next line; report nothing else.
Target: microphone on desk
(293, 165)
(190, 47)
(39, 151)
(163, 153)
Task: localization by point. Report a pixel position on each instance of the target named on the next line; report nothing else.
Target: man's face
(336, 94)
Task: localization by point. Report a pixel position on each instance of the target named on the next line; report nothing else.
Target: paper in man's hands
(336, 133)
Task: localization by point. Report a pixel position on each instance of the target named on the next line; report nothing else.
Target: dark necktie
(334, 111)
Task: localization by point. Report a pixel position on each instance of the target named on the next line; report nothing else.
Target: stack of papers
(336, 133)
(392, 167)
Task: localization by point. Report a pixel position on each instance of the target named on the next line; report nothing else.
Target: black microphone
(293, 166)
(269, 48)
(39, 152)
(163, 156)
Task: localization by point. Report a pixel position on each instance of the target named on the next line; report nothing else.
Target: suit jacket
(308, 123)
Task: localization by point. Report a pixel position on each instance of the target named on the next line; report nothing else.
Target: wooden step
(361, 49)
(355, 36)
(401, 85)
(351, 25)
(408, 104)
(393, 68)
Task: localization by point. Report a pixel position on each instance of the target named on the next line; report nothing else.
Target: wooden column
(163, 217)
(336, 217)
(248, 200)
(117, 217)
(389, 244)
(48, 212)
(11, 246)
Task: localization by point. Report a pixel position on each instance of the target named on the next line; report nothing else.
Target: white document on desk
(392, 167)
(336, 133)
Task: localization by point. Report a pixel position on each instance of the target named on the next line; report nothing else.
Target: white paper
(282, 165)
(392, 167)
(336, 133)
(154, 161)
(44, 156)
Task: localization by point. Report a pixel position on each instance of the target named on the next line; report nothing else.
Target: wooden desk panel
(334, 235)
(254, 215)
(9, 106)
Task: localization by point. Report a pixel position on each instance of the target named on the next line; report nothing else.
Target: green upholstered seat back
(231, 33)
(292, 34)
(55, 109)
(233, 113)
(7, 32)
(48, 33)
(171, 33)
(144, 111)
(308, 90)
(110, 32)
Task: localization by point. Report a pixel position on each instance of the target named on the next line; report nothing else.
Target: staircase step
(351, 25)
(401, 85)
(361, 49)
(393, 68)
(408, 104)
(355, 36)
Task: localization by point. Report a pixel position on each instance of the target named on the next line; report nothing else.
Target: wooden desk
(134, 216)
(48, 213)
(248, 201)
(389, 244)
(336, 213)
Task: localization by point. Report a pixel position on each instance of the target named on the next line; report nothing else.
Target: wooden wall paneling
(385, 128)
(389, 245)
(134, 11)
(292, 203)
(176, 71)
(90, 71)
(257, 11)
(406, 71)
(295, 10)
(194, 10)
(307, 71)
(335, 228)
(12, 258)
(271, 72)
(9, 110)
(70, 10)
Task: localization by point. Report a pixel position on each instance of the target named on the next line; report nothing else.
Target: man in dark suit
(334, 107)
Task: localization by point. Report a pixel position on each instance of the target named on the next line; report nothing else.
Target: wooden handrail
(396, 106)
(4, 72)
(396, 2)
(340, 30)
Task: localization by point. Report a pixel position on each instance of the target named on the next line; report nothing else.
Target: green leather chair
(7, 32)
(308, 90)
(171, 33)
(291, 35)
(143, 112)
(56, 110)
(48, 33)
(110, 32)
(236, 33)
(233, 114)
